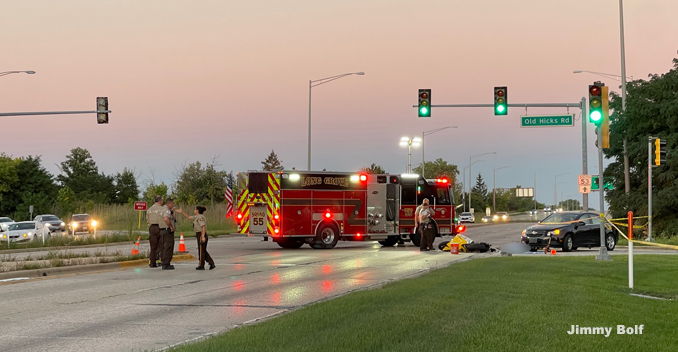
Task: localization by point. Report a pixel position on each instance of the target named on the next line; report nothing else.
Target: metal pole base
(603, 255)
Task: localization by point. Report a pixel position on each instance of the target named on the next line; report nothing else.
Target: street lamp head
(403, 144)
(30, 72)
(577, 71)
(360, 73)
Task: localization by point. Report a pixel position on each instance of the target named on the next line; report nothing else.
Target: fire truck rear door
(258, 219)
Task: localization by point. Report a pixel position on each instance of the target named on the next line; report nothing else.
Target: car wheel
(327, 236)
(610, 243)
(533, 249)
(568, 243)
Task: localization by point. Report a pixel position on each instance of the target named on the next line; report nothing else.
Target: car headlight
(503, 217)
(63, 224)
(74, 224)
(524, 231)
(94, 223)
(48, 225)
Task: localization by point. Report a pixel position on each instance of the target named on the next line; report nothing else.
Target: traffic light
(424, 103)
(500, 101)
(659, 152)
(596, 103)
(605, 124)
(102, 110)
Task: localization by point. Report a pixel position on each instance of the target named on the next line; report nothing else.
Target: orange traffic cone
(135, 250)
(182, 245)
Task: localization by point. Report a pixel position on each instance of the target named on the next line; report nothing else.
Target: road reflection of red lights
(239, 266)
(239, 306)
(275, 279)
(327, 269)
(239, 285)
(275, 262)
(327, 286)
(275, 298)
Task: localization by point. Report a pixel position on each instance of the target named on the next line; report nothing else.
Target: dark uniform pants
(202, 250)
(167, 246)
(156, 244)
(427, 236)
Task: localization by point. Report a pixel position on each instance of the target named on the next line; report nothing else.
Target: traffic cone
(182, 245)
(135, 250)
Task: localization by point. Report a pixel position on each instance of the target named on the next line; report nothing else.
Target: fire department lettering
(258, 218)
(331, 181)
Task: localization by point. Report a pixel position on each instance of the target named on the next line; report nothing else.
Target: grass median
(496, 304)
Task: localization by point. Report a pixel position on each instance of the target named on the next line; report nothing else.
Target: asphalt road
(147, 309)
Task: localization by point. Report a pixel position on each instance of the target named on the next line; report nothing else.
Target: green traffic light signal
(595, 103)
(500, 101)
(424, 103)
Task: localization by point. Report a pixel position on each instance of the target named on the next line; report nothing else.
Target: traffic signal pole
(581, 105)
(50, 113)
(602, 254)
(649, 188)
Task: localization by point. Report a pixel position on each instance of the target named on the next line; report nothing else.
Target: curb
(84, 269)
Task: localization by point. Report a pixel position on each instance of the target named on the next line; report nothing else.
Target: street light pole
(470, 173)
(424, 134)
(561, 193)
(409, 143)
(494, 180)
(316, 83)
(535, 189)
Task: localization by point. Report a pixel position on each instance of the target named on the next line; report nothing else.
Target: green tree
(196, 184)
(80, 173)
(442, 169)
(66, 201)
(272, 163)
(479, 194)
(651, 110)
(8, 177)
(126, 188)
(153, 190)
(373, 169)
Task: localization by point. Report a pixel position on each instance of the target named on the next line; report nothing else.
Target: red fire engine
(321, 208)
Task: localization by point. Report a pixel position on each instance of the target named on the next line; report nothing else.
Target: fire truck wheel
(326, 237)
(389, 242)
(290, 243)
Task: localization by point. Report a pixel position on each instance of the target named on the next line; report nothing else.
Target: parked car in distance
(81, 223)
(21, 231)
(501, 216)
(52, 222)
(488, 218)
(568, 230)
(547, 210)
(467, 217)
(534, 212)
(5, 222)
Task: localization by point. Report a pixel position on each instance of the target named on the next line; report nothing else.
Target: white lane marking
(16, 279)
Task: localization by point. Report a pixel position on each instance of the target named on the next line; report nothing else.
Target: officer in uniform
(167, 234)
(424, 215)
(154, 220)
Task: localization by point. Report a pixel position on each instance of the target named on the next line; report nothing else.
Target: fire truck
(321, 208)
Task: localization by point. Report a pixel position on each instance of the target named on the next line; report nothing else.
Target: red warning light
(277, 230)
(357, 234)
(461, 229)
(328, 215)
(276, 216)
(239, 216)
(363, 178)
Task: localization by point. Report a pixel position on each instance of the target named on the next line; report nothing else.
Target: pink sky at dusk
(188, 80)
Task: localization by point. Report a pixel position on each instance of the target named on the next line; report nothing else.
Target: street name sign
(547, 121)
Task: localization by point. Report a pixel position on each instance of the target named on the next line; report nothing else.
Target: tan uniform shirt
(154, 215)
(198, 222)
(425, 215)
(167, 213)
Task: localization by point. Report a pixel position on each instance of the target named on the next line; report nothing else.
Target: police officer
(154, 220)
(167, 234)
(200, 228)
(423, 217)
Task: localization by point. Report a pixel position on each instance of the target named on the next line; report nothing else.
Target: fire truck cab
(320, 208)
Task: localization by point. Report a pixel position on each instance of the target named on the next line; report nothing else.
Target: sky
(193, 80)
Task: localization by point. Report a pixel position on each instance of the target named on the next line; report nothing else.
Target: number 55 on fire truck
(321, 208)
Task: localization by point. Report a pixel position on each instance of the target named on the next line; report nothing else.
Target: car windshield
(25, 226)
(5, 220)
(81, 217)
(559, 218)
(465, 214)
(49, 218)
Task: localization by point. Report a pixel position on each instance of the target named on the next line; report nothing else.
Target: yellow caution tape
(644, 242)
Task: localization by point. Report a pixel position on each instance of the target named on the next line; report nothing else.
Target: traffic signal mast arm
(520, 105)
